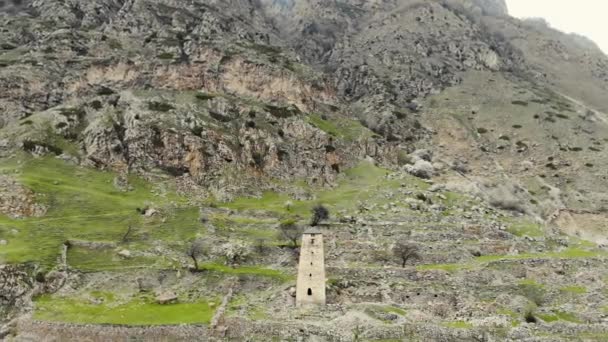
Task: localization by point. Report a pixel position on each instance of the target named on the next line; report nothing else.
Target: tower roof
(313, 230)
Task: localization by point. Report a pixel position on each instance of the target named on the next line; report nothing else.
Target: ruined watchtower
(310, 288)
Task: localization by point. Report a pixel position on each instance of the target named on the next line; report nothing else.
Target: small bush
(114, 44)
(160, 106)
(71, 112)
(529, 317)
(319, 214)
(165, 55)
(520, 103)
(105, 91)
(204, 96)
(96, 104)
(283, 112)
(533, 291)
(482, 130)
(403, 158)
(197, 130)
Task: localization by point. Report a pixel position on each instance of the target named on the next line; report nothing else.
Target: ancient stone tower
(310, 289)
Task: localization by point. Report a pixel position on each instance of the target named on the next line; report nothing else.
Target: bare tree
(195, 251)
(127, 236)
(319, 213)
(291, 231)
(261, 246)
(405, 250)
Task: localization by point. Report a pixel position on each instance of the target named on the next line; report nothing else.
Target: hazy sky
(586, 17)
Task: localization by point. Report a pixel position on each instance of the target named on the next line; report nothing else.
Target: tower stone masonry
(310, 288)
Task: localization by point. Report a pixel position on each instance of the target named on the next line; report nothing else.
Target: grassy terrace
(569, 253)
(139, 311)
(83, 205)
(363, 183)
(247, 270)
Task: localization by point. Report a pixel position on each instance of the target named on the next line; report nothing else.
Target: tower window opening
(309, 291)
(310, 275)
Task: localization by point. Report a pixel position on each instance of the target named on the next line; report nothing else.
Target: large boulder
(167, 297)
(421, 169)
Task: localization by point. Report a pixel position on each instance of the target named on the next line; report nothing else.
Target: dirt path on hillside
(600, 115)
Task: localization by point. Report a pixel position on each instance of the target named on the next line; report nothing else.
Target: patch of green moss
(204, 96)
(548, 318)
(507, 312)
(458, 325)
(526, 229)
(392, 309)
(257, 313)
(140, 311)
(265, 49)
(559, 316)
(166, 56)
(594, 336)
(574, 289)
(346, 129)
(530, 282)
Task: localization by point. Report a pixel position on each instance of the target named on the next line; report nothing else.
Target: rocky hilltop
(140, 136)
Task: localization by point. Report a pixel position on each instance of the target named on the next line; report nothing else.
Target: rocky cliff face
(106, 76)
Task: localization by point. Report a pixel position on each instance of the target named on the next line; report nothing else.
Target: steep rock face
(15, 286)
(226, 145)
(17, 201)
(366, 62)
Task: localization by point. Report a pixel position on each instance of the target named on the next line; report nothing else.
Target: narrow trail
(600, 115)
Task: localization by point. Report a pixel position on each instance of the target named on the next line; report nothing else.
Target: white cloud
(586, 17)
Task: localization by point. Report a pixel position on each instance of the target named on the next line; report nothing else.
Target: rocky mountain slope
(131, 130)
